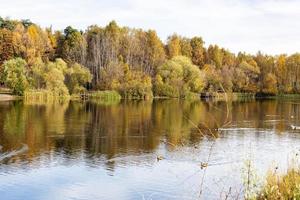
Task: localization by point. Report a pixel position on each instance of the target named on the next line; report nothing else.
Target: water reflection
(131, 134)
(131, 127)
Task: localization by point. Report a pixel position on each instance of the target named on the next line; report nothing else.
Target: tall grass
(281, 186)
(276, 185)
(105, 98)
(42, 96)
(105, 95)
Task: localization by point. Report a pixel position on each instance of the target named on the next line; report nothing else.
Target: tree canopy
(75, 60)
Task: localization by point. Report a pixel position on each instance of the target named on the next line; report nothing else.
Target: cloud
(271, 26)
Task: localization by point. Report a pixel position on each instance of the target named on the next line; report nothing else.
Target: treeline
(134, 62)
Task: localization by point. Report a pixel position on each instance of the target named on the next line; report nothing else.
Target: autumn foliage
(134, 62)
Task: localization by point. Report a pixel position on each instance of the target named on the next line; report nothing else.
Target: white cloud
(271, 26)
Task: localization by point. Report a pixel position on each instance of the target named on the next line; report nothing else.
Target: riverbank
(8, 97)
(108, 95)
(245, 96)
(221, 96)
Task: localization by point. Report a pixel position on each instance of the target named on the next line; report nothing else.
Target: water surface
(141, 149)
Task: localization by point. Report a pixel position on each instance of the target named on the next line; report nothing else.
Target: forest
(134, 62)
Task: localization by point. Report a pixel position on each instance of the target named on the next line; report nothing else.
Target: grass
(275, 186)
(42, 96)
(105, 98)
(105, 95)
(289, 96)
(46, 96)
(281, 186)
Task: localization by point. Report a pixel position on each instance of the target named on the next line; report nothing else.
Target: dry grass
(42, 96)
(281, 186)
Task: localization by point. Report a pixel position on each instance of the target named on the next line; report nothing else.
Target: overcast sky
(272, 26)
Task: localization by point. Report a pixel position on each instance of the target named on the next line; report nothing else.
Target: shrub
(76, 77)
(178, 77)
(15, 75)
(105, 95)
(59, 78)
(285, 186)
(133, 84)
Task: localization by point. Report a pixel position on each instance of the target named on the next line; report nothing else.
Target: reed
(105, 95)
(42, 96)
(281, 186)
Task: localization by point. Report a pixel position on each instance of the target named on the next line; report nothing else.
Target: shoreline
(203, 96)
(8, 97)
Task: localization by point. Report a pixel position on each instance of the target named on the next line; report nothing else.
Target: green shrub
(15, 75)
(178, 77)
(105, 95)
(76, 77)
(54, 79)
(42, 96)
(133, 84)
(59, 78)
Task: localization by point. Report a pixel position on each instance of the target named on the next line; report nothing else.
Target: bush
(76, 77)
(55, 82)
(137, 86)
(59, 78)
(178, 77)
(105, 95)
(15, 75)
(133, 84)
(285, 186)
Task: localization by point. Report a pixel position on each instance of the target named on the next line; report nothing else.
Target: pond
(160, 149)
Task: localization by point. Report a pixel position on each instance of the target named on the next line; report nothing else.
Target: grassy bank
(46, 95)
(245, 96)
(5, 90)
(6, 95)
(104, 95)
(288, 96)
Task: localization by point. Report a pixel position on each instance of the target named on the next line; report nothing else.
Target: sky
(271, 26)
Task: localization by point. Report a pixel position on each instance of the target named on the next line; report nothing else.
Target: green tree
(178, 77)
(15, 75)
(73, 46)
(133, 84)
(77, 77)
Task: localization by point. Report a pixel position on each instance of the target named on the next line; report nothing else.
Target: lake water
(142, 149)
